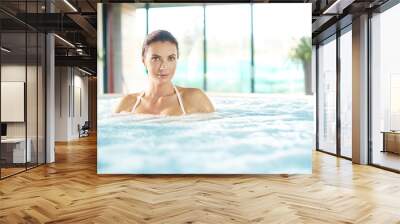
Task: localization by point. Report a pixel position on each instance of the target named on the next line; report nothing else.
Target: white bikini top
(139, 98)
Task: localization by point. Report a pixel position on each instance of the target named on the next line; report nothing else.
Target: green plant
(302, 52)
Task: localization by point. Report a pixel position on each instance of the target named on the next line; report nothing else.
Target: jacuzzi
(248, 134)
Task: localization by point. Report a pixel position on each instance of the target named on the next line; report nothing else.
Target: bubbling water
(246, 135)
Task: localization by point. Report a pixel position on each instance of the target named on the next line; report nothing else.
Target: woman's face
(160, 61)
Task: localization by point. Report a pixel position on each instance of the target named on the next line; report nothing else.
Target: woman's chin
(162, 79)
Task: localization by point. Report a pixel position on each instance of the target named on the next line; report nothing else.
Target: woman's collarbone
(159, 108)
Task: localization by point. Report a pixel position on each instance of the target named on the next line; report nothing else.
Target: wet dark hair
(159, 36)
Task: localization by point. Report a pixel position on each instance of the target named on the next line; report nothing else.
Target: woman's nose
(163, 65)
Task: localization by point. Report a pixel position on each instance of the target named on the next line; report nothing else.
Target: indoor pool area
(248, 133)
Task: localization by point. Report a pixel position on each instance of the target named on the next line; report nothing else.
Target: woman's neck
(156, 91)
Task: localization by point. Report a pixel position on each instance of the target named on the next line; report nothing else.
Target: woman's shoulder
(190, 92)
(126, 103)
(196, 100)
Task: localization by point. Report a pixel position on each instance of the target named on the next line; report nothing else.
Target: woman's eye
(172, 59)
(155, 59)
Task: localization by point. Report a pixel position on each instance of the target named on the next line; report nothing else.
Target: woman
(160, 53)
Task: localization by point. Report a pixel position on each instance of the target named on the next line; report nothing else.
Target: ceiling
(76, 22)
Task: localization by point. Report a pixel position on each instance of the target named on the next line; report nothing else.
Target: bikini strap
(180, 100)
(138, 98)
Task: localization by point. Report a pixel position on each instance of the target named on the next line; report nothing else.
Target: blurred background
(250, 48)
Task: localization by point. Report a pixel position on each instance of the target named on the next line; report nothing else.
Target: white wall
(71, 94)
(10, 73)
(33, 127)
(80, 100)
(14, 73)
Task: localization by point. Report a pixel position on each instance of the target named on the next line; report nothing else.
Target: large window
(188, 29)
(22, 93)
(228, 48)
(346, 93)
(13, 84)
(386, 89)
(275, 71)
(327, 96)
(216, 52)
